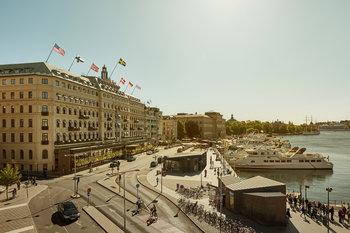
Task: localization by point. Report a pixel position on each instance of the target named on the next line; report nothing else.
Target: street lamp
(328, 189)
(137, 190)
(306, 187)
(124, 215)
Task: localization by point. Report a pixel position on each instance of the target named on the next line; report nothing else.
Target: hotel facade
(52, 119)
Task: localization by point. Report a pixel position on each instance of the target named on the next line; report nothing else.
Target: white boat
(265, 158)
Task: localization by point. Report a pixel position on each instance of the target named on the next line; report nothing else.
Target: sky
(255, 59)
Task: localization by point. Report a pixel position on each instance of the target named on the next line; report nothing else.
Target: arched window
(58, 110)
(75, 124)
(64, 137)
(75, 112)
(69, 111)
(45, 154)
(64, 124)
(64, 110)
(70, 124)
(80, 124)
(58, 137)
(30, 154)
(70, 137)
(58, 123)
(44, 108)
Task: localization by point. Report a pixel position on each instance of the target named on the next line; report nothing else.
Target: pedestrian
(157, 180)
(288, 213)
(303, 211)
(348, 215)
(18, 185)
(331, 211)
(340, 216)
(34, 181)
(14, 193)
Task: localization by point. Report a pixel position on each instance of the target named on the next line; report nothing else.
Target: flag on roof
(122, 81)
(130, 84)
(122, 62)
(58, 49)
(94, 67)
(79, 59)
(138, 87)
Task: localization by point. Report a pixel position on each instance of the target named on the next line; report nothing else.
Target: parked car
(68, 210)
(153, 164)
(131, 158)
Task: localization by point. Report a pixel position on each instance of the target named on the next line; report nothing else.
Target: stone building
(211, 124)
(50, 115)
(169, 128)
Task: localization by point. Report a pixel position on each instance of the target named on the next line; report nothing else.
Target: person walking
(18, 185)
(303, 211)
(14, 193)
(288, 213)
(157, 180)
(331, 211)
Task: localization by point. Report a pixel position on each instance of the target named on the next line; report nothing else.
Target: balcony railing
(84, 117)
(71, 128)
(45, 142)
(92, 128)
(44, 127)
(44, 113)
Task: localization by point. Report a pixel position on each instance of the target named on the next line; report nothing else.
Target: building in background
(210, 126)
(50, 115)
(169, 128)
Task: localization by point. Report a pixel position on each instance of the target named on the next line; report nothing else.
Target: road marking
(13, 206)
(22, 229)
(65, 229)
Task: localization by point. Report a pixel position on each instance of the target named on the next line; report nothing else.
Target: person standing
(331, 211)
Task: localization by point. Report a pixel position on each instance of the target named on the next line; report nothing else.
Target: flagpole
(126, 87)
(72, 63)
(133, 90)
(49, 54)
(110, 76)
(88, 71)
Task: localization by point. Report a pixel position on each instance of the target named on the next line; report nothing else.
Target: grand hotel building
(49, 115)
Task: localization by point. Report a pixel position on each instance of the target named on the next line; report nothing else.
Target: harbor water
(336, 145)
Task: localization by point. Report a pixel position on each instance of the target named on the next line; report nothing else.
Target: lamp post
(124, 200)
(328, 189)
(306, 187)
(137, 190)
(220, 208)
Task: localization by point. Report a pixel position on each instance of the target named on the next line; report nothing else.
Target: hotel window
(12, 95)
(21, 81)
(44, 108)
(45, 137)
(21, 154)
(64, 124)
(21, 95)
(30, 154)
(30, 94)
(21, 137)
(3, 137)
(44, 81)
(4, 154)
(45, 123)
(63, 85)
(12, 109)
(3, 95)
(3, 109)
(45, 154)
(57, 83)
(30, 123)
(44, 95)
(12, 123)
(12, 154)
(21, 108)
(58, 123)
(4, 123)
(30, 80)
(4, 82)
(58, 110)
(13, 81)
(12, 137)
(30, 109)
(21, 123)
(30, 137)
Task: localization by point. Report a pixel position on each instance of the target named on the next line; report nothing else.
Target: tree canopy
(9, 176)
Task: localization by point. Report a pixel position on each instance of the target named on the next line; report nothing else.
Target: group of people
(316, 209)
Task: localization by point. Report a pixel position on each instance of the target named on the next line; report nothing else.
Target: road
(46, 218)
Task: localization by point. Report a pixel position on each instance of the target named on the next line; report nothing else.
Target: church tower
(104, 72)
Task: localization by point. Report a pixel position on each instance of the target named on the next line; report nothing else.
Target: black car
(68, 210)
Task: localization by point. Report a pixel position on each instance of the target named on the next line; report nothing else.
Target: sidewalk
(102, 220)
(15, 215)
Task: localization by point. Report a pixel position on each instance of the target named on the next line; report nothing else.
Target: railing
(45, 142)
(44, 113)
(92, 128)
(71, 128)
(44, 127)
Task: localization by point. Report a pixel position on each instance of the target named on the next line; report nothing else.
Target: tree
(8, 177)
(180, 130)
(192, 129)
